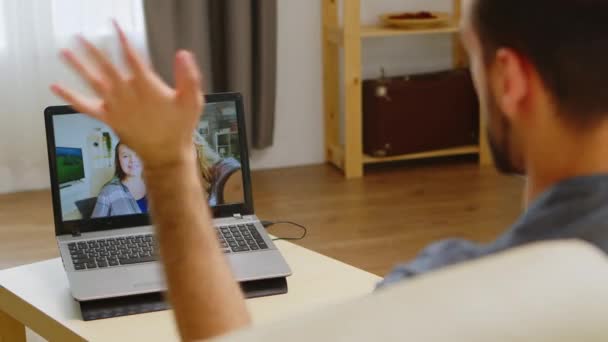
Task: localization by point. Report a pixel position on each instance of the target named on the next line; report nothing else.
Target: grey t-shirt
(573, 209)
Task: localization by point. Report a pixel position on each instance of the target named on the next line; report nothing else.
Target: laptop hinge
(238, 216)
(75, 232)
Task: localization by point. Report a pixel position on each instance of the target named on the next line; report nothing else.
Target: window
(92, 17)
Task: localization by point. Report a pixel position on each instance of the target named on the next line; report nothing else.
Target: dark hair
(565, 40)
(118, 171)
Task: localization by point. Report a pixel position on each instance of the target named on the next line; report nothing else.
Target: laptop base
(151, 302)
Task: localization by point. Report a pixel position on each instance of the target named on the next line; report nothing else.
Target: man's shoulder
(574, 209)
(435, 256)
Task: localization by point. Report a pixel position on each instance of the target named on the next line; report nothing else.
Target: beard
(499, 139)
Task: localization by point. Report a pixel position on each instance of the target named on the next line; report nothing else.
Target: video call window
(99, 176)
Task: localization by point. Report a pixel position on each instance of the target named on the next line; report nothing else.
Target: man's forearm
(191, 255)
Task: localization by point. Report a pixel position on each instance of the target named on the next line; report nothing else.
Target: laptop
(100, 206)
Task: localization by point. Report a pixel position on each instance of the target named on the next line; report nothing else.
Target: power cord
(268, 224)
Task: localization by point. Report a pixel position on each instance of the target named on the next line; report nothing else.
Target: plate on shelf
(415, 20)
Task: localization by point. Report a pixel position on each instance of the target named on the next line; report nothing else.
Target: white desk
(37, 296)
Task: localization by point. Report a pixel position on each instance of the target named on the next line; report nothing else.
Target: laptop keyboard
(240, 238)
(136, 249)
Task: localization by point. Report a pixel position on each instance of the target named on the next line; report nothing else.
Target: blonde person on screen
(126, 193)
(221, 177)
(206, 159)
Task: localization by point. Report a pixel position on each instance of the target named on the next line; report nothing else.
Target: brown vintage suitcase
(419, 113)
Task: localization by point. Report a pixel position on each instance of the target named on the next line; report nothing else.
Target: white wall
(79, 131)
(299, 121)
(299, 107)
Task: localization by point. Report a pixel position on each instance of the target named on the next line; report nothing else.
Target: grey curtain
(235, 43)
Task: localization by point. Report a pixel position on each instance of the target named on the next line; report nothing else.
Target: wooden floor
(371, 223)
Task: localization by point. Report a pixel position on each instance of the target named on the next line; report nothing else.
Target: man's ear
(510, 82)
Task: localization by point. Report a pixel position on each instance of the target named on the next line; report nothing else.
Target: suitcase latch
(382, 87)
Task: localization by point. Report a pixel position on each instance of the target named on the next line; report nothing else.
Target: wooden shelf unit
(448, 152)
(349, 156)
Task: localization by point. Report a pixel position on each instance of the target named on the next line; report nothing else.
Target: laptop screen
(99, 176)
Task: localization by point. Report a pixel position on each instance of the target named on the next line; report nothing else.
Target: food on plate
(413, 15)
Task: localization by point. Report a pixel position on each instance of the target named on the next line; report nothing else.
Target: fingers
(187, 79)
(102, 61)
(92, 79)
(131, 56)
(85, 105)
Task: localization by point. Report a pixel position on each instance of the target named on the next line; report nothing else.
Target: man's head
(539, 66)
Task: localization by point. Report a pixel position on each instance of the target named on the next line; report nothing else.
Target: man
(544, 87)
(539, 67)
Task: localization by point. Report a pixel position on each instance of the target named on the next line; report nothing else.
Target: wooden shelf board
(456, 151)
(380, 31)
(376, 31)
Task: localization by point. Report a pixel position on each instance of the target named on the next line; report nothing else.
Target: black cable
(268, 224)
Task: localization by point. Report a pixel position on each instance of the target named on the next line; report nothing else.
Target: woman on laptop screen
(125, 194)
